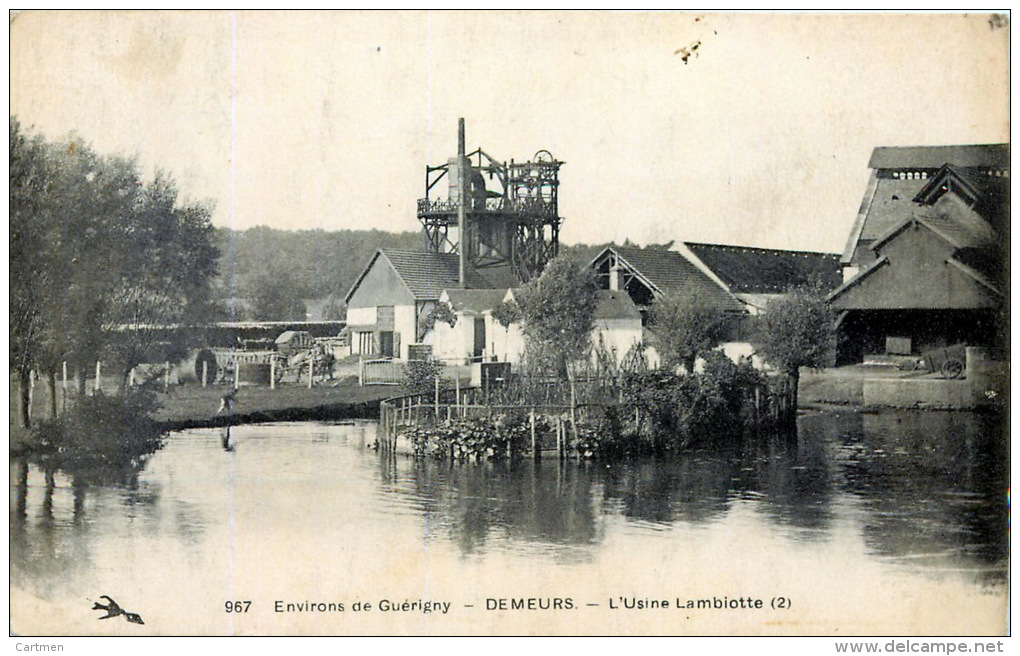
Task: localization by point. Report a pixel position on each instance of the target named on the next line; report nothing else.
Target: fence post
(437, 399)
(361, 371)
(63, 388)
(311, 369)
(205, 372)
(272, 371)
(534, 450)
(99, 377)
(31, 391)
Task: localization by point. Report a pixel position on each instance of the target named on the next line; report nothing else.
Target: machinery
(495, 214)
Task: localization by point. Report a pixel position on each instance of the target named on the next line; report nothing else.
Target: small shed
(291, 341)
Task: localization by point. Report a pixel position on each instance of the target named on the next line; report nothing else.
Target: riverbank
(192, 406)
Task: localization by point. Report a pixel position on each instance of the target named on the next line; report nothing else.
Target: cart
(950, 361)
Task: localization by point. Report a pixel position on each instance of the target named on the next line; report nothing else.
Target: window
(365, 342)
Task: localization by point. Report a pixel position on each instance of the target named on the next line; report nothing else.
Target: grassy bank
(189, 406)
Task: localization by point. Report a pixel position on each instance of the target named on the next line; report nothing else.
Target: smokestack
(462, 165)
(461, 148)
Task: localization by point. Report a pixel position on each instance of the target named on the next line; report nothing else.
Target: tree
(796, 331)
(95, 250)
(167, 262)
(558, 314)
(335, 308)
(28, 277)
(275, 296)
(686, 327)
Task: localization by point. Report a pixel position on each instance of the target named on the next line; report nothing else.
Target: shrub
(101, 430)
(481, 438)
(675, 411)
(420, 376)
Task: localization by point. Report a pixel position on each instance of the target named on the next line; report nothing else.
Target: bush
(675, 411)
(101, 430)
(481, 439)
(420, 376)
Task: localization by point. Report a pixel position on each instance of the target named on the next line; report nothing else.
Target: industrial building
(924, 266)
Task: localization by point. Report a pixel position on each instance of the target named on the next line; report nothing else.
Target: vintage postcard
(443, 323)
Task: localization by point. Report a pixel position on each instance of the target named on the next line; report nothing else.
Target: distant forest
(268, 274)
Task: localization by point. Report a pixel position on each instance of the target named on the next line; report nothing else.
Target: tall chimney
(462, 165)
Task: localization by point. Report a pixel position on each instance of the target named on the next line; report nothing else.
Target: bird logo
(113, 609)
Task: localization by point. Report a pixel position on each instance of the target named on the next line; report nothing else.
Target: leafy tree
(275, 296)
(686, 327)
(335, 308)
(166, 264)
(319, 263)
(558, 314)
(796, 331)
(29, 278)
(94, 250)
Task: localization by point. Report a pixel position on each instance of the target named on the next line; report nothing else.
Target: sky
(327, 119)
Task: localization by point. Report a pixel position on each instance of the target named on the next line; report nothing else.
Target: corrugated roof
(475, 300)
(933, 157)
(615, 305)
(747, 269)
(669, 271)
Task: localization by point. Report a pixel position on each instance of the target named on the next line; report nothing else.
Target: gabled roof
(867, 271)
(889, 200)
(427, 274)
(615, 305)
(668, 271)
(474, 301)
(954, 232)
(746, 269)
(933, 157)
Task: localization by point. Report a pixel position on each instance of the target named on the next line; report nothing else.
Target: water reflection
(934, 487)
(925, 491)
(932, 484)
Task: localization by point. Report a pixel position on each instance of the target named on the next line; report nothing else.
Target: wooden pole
(205, 372)
(63, 388)
(272, 372)
(131, 377)
(99, 377)
(531, 418)
(573, 411)
(311, 368)
(457, 382)
(437, 399)
(31, 392)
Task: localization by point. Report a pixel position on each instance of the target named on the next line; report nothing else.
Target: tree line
(95, 248)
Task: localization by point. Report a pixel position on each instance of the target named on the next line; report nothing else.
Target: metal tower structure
(514, 223)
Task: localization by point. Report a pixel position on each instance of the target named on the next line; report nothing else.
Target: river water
(891, 523)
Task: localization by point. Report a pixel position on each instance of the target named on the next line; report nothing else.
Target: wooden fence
(772, 404)
(402, 413)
